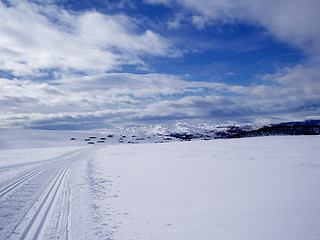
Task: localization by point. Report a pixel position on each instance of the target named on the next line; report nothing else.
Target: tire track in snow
(34, 228)
(15, 184)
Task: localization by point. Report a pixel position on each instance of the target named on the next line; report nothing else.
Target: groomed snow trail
(38, 199)
(15, 184)
(34, 227)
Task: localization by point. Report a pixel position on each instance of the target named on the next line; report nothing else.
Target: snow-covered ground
(255, 188)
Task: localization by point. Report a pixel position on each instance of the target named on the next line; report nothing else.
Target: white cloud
(193, 106)
(138, 85)
(199, 21)
(36, 37)
(175, 23)
(292, 21)
(117, 98)
(89, 93)
(94, 98)
(67, 120)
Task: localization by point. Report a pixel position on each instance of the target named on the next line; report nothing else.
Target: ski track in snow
(27, 201)
(34, 227)
(15, 184)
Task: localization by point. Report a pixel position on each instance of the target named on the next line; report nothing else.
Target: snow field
(257, 188)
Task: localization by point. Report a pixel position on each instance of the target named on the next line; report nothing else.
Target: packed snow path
(27, 199)
(258, 188)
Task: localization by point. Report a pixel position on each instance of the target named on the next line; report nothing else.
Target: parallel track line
(32, 231)
(15, 184)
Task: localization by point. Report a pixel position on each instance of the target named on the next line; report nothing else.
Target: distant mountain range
(205, 131)
(308, 127)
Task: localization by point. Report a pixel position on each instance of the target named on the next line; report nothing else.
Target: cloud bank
(110, 99)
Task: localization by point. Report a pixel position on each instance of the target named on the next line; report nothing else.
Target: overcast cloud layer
(62, 68)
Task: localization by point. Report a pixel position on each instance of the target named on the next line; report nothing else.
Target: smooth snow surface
(257, 188)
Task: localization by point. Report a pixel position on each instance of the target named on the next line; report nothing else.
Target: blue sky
(97, 64)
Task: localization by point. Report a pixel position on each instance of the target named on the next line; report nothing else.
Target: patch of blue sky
(228, 67)
(7, 74)
(211, 56)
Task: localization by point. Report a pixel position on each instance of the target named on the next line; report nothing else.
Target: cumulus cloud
(35, 37)
(298, 81)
